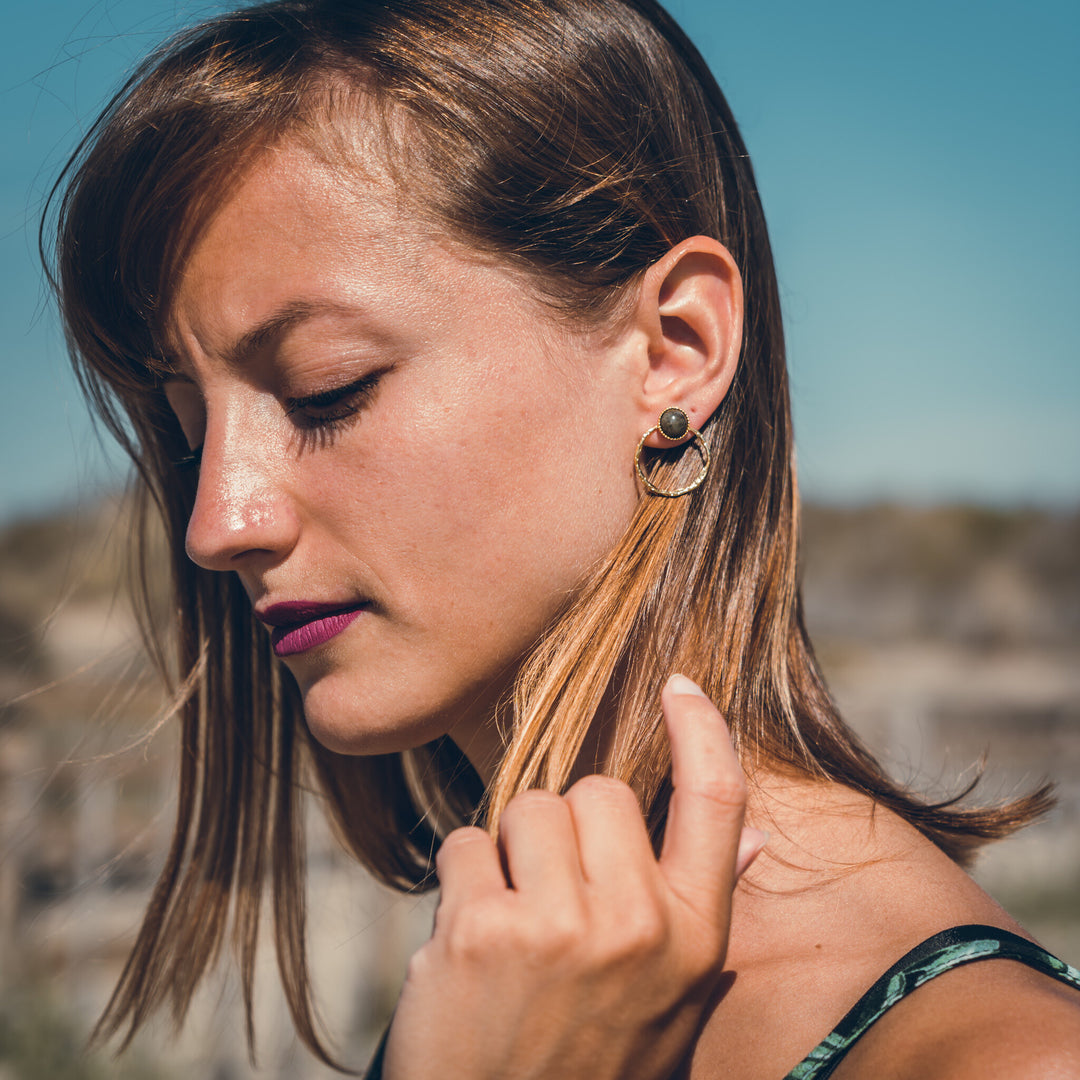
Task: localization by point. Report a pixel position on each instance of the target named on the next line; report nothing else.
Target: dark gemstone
(673, 423)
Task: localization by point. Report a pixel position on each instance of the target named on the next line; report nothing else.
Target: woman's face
(408, 465)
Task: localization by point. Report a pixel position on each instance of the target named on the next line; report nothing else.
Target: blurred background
(918, 167)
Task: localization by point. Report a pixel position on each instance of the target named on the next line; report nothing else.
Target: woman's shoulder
(887, 962)
(995, 1018)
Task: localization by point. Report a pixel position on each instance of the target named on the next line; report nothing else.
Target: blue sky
(918, 165)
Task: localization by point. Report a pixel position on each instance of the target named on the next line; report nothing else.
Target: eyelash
(351, 398)
(188, 461)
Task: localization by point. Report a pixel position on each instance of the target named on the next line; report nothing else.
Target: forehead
(297, 232)
(290, 197)
(294, 226)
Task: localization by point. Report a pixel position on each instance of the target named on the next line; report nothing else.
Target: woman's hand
(587, 957)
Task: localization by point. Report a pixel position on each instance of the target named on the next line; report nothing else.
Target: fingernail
(680, 684)
(751, 843)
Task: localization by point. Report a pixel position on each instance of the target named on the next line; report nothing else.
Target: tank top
(949, 949)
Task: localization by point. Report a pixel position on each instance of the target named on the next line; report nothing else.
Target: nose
(244, 516)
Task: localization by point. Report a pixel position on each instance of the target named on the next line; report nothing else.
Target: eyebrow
(278, 323)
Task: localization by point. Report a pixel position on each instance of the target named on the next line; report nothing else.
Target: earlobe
(690, 308)
(672, 427)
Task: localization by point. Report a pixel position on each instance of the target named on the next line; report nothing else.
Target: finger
(612, 841)
(706, 812)
(539, 843)
(469, 867)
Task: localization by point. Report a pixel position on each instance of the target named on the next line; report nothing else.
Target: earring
(673, 425)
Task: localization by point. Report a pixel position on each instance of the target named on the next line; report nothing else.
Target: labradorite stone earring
(673, 425)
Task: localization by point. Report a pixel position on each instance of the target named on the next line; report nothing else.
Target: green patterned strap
(938, 954)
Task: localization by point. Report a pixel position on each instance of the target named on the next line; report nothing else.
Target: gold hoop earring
(673, 425)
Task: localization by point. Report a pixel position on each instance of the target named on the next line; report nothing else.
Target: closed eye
(333, 407)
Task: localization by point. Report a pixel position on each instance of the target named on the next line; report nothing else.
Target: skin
(462, 500)
(393, 505)
(480, 393)
(588, 956)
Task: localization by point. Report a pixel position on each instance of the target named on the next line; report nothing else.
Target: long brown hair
(577, 140)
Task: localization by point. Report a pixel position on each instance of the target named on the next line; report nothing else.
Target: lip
(300, 625)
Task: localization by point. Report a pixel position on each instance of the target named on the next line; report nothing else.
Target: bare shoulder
(989, 1020)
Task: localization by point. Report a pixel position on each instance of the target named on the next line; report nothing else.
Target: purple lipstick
(297, 626)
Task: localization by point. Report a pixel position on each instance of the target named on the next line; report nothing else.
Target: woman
(445, 338)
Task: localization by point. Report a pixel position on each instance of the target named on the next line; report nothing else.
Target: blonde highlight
(518, 114)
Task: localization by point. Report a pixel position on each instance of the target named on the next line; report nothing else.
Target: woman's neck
(482, 731)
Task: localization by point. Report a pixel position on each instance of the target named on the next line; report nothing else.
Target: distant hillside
(959, 573)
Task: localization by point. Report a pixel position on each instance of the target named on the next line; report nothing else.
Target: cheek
(475, 506)
(478, 499)
(474, 535)
(507, 518)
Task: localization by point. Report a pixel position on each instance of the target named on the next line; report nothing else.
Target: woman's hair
(574, 140)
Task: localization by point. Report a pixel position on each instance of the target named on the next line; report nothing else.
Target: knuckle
(463, 837)
(527, 804)
(475, 933)
(419, 963)
(554, 938)
(560, 930)
(483, 933)
(726, 791)
(644, 931)
(459, 840)
(602, 789)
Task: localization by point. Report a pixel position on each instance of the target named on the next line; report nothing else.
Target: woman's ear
(690, 312)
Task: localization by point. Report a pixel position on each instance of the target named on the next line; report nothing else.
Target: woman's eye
(331, 407)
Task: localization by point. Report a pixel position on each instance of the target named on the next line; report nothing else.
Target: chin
(354, 724)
